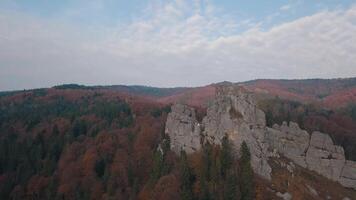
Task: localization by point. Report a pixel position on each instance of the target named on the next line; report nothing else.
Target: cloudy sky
(173, 42)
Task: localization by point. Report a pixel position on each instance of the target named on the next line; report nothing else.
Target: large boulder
(324, 157)
(348, 175)
(289, 140)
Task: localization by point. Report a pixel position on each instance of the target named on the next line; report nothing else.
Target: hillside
(75, 143)
(331, 93)
(103, 142)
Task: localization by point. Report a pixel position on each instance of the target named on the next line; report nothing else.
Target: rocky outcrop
(183, 129)
(291, 141)
(324, 157)
(234, 113)
(348, 175)
(316, 152)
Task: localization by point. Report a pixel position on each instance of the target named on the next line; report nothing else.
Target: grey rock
(284, 196)
(183, 129)
(316, 152)
(348, 175)
(234, 113)
(324, 157)
(291, 141)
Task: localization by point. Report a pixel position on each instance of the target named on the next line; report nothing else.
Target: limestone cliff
(183, 129)
(315, 152)
(234, 113)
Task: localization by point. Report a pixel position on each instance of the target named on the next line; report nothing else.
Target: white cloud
(174, 45)
(285, 7)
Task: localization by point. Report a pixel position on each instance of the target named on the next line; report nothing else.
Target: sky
(169, 43)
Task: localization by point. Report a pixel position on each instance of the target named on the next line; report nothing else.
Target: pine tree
(228, 172)
(231, 187)
(206, 172)
(204, 187)
(186, 177)
(207, 161)
(157, 166)
(226, 158)
(246, 174)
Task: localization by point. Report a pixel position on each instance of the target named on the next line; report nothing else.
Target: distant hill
(145, 90)
(332, 93)
(329, 92)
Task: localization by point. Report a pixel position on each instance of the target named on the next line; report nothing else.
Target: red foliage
(195, 97)
(167, 187)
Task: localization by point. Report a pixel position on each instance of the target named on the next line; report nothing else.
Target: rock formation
(348, 175)
(234, 113)
(316, 152)
(290, 141)
(184, 129)
(324, 157)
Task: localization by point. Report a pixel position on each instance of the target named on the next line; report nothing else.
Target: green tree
(206, 172)
(186, 177)
(226, 157)
(228, 171)
(100, 166)
(246, 173)
(157, 166)
(231, 187)
(207, 161)
(79, 128)
(204, 187)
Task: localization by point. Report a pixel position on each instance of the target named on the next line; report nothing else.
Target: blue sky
(114, 12)
(156, 42)
(111, 12)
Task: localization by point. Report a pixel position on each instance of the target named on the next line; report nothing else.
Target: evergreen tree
(207, 161)
(79, 128)
(100, 166)
(226, 157)
(206, 172)
(204, 187)
(157, 166)
(246, 174)
(186, 177)
(269, 118)
(228, 171)
(231, 187)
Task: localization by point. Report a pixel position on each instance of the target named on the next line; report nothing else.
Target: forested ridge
(78, 142)
(75, 143)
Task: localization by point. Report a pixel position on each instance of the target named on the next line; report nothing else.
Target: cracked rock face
(234, 113)
(348, 175)
(291, 141)
(183, 129)
(324, 157)
(316, 152)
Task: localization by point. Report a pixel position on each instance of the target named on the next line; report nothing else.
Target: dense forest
(75, 143)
